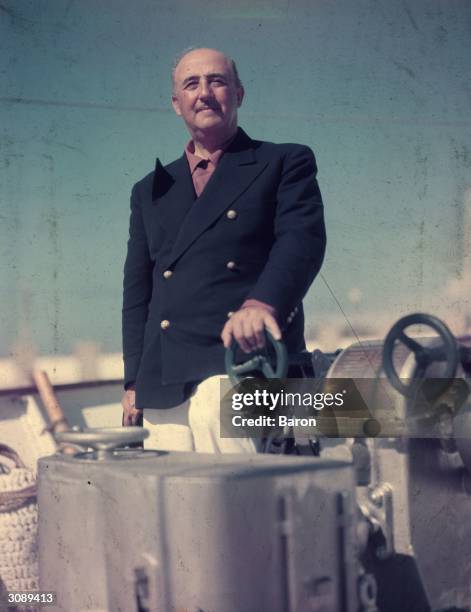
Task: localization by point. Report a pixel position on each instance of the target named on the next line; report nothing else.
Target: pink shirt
(201, 168)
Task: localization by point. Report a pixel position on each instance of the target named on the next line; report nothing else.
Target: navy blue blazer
(257, 231)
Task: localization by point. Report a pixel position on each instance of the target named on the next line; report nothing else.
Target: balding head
(229, 60)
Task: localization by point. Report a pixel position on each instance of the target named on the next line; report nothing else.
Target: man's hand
(247, 327)
(131, 414)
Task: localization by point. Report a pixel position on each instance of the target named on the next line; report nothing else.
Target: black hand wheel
(257, 363)
(446, 351)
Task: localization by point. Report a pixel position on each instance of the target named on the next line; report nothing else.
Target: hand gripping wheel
(257, 363)
(446, 351)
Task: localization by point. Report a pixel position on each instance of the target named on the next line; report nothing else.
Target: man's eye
(191, 85)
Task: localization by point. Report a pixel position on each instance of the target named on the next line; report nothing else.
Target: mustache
(214, 107)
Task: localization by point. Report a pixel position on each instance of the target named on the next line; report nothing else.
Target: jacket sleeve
(137, 291)
(299, 243)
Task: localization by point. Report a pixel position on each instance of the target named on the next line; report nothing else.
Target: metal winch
(411, 447)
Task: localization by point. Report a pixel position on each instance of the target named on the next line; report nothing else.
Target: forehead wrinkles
(202, 67)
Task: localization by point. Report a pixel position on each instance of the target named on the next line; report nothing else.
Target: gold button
(229, 314)
(165, 324)
(168, 273)
(231, 214)
(231, 265)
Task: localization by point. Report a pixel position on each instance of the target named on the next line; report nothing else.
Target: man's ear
(240, 95)
(176, 105)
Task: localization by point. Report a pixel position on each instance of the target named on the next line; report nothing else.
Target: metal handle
(103, 438)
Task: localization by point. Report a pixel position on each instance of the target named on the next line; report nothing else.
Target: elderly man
(223, 243)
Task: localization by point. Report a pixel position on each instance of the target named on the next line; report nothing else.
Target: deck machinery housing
(132, 530)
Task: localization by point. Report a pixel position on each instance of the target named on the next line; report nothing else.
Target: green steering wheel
(257, 363)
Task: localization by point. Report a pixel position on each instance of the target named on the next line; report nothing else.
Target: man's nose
(205, 89)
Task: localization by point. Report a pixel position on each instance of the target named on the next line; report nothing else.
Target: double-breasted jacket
(257, 231)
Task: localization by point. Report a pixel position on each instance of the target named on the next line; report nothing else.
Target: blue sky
(379, 89)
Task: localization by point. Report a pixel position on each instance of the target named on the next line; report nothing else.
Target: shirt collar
(194, 160)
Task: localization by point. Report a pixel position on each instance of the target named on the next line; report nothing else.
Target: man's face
(205, 93)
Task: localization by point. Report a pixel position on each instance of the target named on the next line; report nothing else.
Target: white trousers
(194, 425)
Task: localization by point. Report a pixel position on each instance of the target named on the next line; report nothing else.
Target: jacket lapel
(237, 169)
(173, 194)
